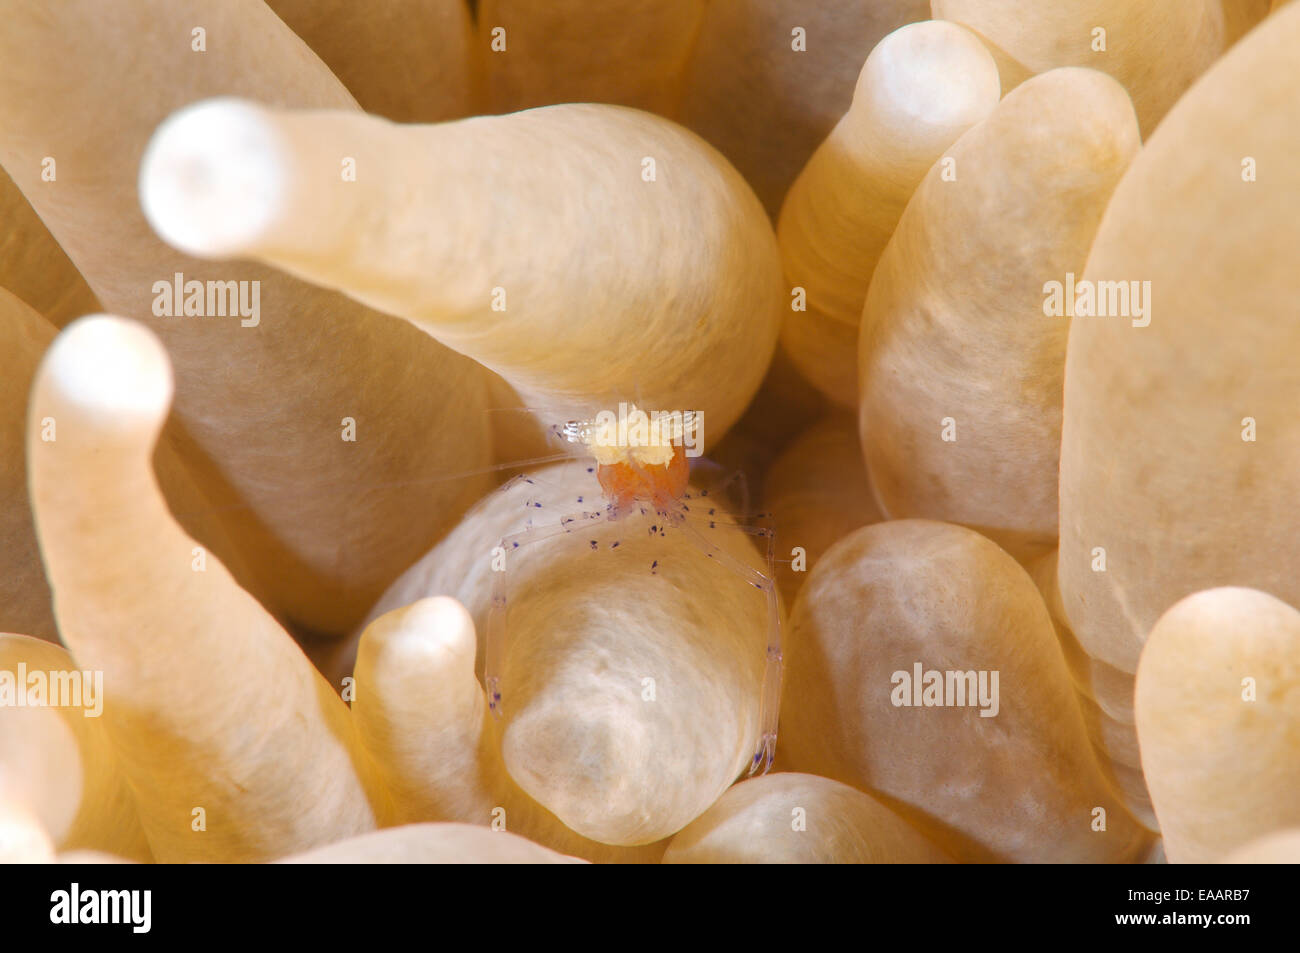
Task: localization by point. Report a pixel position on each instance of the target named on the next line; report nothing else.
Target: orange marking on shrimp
(624, 483)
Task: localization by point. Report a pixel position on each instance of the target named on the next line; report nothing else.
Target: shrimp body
(640, 458)
(625, 482)
(634, 468)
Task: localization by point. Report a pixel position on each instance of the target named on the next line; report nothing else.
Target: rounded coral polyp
(1160, 409)
(960, 368)
(586, 627)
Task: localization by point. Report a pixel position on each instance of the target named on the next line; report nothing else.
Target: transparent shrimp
(630, 484)
(654, 482)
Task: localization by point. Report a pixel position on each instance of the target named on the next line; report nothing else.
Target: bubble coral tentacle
(666, 274)
(186, 654)
(921, 87)
(262, 396)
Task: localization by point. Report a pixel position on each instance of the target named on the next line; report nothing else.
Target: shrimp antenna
(557, 457)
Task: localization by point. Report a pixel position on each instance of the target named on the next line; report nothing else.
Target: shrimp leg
(770, 699)
(760, 532)
(496, 627)
(740, 501)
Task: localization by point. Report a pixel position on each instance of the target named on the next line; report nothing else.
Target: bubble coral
(286, 286)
